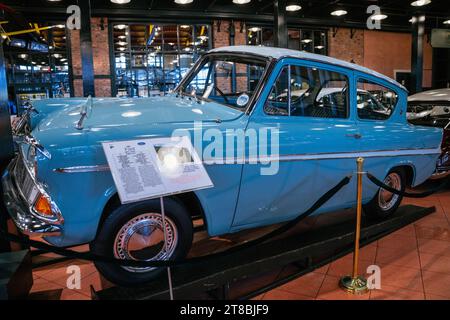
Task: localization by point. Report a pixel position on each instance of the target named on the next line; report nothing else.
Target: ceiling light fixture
(292, 7)
(446, 22)
(420, 3)
(241, 1)
(378, 17)
(306, 41)
(120, 1)
(120, 26)
(254, 29)
(338, 13)
(183, 1)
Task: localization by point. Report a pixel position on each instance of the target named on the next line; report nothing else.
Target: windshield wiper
(83, 113)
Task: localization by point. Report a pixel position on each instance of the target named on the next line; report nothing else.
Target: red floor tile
(435, 263)
(398, 257)
(435, 233)
(401, 277)
(307, 285)
(437, 284)
(394, 293)
(431, 246)
(398, 241)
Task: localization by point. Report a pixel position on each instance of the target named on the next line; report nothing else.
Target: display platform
(224, 277)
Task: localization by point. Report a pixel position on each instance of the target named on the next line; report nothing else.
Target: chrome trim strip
(282, 158)
(82, 169)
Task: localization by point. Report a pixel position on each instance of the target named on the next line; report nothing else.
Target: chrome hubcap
(386, 199)
(142, 238)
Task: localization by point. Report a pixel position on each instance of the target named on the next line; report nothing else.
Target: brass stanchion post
(356, 284)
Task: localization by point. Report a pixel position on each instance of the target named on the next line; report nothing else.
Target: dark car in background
(432, 109)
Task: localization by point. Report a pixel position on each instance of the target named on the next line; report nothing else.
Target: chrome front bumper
(20, 211)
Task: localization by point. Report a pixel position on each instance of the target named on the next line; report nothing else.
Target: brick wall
(385, 52)
(100, 50)
(342, 46)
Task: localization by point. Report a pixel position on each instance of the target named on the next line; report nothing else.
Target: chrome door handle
(354, 135)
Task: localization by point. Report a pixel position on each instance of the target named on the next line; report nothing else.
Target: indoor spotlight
(254, 29)
(293, 7)
(420, 3)
(241, 1)
(338, 13)
(183, 1)
(378, 17)
(120, 1)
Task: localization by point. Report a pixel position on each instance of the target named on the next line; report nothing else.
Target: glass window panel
(254, 36)
(294, 39)
(307, 41)
(267, 37)
(309, 92)
(319, 42)
(151, 59)
(202, 40)
(277, 102)
(374, 101)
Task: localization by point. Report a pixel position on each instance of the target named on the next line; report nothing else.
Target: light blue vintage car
(327, 112)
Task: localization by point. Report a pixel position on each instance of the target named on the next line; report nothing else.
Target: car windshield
(228, 80)
(431, 115)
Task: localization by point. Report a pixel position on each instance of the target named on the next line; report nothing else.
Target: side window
(278, 101)
(374, 101)
(318, 93)
(309, 92)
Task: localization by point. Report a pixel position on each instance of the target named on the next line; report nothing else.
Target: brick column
(100, 48)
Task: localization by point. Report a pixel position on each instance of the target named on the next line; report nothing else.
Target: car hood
(120, 113)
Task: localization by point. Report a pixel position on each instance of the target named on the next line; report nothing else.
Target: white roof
(278, 53)
(432, 95)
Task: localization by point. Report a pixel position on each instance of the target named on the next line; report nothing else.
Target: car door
(382, 125)
(309, 105)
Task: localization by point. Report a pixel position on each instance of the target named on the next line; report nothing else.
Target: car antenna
(83, 113)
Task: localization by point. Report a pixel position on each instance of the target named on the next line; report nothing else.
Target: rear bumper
(20, 211)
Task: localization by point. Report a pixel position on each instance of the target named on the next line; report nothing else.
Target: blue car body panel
(241, 197)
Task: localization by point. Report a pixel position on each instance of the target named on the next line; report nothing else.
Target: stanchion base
(352, 285)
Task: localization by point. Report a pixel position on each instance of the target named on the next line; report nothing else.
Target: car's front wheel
(135, 232)
(385, 203)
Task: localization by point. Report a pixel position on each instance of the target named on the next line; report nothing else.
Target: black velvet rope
(163, 263)
(427, 193)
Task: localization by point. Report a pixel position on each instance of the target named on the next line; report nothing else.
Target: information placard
(151, 168)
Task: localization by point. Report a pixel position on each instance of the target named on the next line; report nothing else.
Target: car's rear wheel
(135, 232)
(385, 203)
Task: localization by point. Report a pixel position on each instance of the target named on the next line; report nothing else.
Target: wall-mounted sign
(440, 38)
(150, 168)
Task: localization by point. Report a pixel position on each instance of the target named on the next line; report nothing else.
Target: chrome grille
(25, 182)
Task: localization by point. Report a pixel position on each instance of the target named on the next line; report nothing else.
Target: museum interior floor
(414, 262)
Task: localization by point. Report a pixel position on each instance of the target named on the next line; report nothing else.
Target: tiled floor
(414, 262)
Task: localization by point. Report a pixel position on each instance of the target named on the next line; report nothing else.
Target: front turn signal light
(43, 206)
